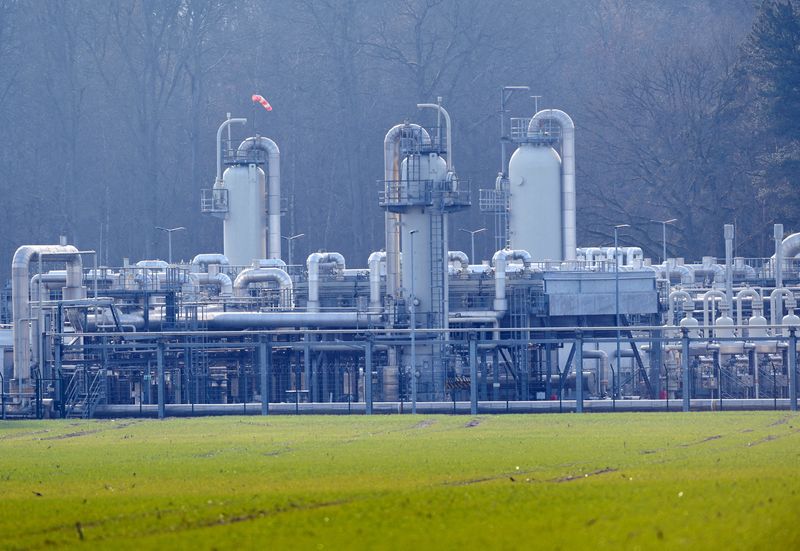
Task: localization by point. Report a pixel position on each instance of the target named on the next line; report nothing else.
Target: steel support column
(161, 379)
(578, 372)
(473, 374)
(368, 376)
(792, 364)
(687, 379)
(265, 363)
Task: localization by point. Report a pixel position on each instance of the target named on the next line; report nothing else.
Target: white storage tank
(423, 170)
(535, 210)
(244, 229)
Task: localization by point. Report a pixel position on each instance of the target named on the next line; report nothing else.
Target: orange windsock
(264, 103)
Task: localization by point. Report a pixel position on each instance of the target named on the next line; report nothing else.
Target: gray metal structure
(598, 328)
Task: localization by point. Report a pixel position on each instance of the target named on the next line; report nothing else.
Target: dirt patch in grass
(425, 423)
(472, 423)
(570, 478)
(703, 441)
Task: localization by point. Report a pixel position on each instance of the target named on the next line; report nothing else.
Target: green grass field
(604, 481)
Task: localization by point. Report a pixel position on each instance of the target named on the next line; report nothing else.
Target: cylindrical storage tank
(691, 325)
(723, 329)
(790, 320)
(416, 170)
(534, 211)
(245, 226)
(756, 328)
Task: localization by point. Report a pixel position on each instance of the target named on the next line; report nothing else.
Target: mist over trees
(685, 109)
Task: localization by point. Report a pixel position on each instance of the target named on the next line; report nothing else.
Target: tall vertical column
(578, 372)
(265, 364)
(368, 376)
(792, 364)
(473, 374)
(687, 379)
(161, 379)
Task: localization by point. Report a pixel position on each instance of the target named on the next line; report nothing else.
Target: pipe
(260, 275)
(775, 306)
(631, 254)
(729, 233)
(220, 280)
(673, 298)
(312, 263)
(269, 263)
(219, 145)
(159, 265)
(223, 321)
(567, 172)
(755, 299)
(499, 261)
(391, 172)
(201, 262)
(374, 263)
(273, 190)
(592, 354)
(448, 134)
(686, 273)
(460, 257)
(777, 232)
(20, 290)
(712, 293)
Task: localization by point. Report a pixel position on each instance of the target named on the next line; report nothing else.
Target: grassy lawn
(604, 481)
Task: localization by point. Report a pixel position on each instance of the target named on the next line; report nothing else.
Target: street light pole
(413, 329)
(616, 296)
(472, 242)
(664, 236)
(290, 243)
(169, 232)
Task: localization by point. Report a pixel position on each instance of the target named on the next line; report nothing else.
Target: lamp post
(290, 243)
(413, 298)
(616, 296)
(472, 242)
(664, 235)
(170, 231)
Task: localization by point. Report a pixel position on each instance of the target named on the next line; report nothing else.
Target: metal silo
(244, 229)
(535, 210)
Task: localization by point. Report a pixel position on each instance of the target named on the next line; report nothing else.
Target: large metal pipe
(567, 173)
(729, 234)
(260, 275)
(220, 280)
(448, 134)
(592, 354)
(757, 303)
(708, 317)
(20, 290)
(460, 257)
(776, 306)
(201, 262)
(778, 263)
(224, 321)
(219, 145)
(499, 261)
(312, 263)
(391, 172)
(273, 190)
(374, 263)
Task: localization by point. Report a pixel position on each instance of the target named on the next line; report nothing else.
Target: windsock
(264, 103)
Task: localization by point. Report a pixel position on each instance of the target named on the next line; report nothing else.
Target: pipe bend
(460, 257)
(259, 275)
(201, 261)
(504, 255)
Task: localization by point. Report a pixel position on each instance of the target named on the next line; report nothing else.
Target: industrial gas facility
(544, 325)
